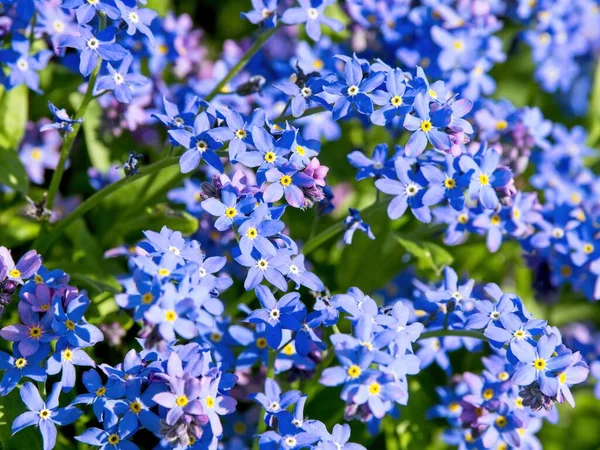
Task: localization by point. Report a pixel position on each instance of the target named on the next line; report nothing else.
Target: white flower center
(306, 91)
(119, 79)
(22, 64)
(93, 43)
(411, 190)
(312, 13)
(294, 269)
(58, 26)
(134, 17)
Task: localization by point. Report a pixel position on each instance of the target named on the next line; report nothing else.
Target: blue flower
(312, 13)
(99, 394)
(62, 121)
(228, 210)
(264, 12)
(64, 360)
(112, 437)
(23, 66)
(273, 401)
(86, 10)
(93, 47)
(379, 165)
(45, 415)
(391, 99)
(256, 231)
(443, 185)
(119, 81)
(425, 127)
(19, 366)
(70, 325)
(200, 145)
(304, 96)
(261, 267)
(354, 222)
(137, 19)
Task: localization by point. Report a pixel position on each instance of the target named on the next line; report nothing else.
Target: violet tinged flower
(576, 373)
(354, 222)
(306, 95)
(33, 333)
(486, 177)
(379, 165)
(70, 325)
(303, 150)
(200, 145)
(86, 10)
(25, 268)
(18, 366)
(503, 426)
(62, 121)
(293, 268)
(426, 127)
(538, 364)
(237, 130)
(215, 405)
(256, 231)
(45, 415)
(273, 401)
(276, 314)
(354, 91)
(168, 241)
(312, 13)
(24, 67)
(407, 192)
(306, 336)
(119, 80)
(287, 181)
(268, 155)
(264, 12)
(99, 395)
(112, 437)
(229, 210)
(64, 359)
(137, 19)
(443, 185)
(391, 99)
(169, 315)
(93, 47)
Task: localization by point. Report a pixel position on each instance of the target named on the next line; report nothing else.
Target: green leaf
(12, 173)
(14, 107)
(162, 7)
(594, 109)
(16, 228)
(28, 438)
(98, 151)
(428, 255)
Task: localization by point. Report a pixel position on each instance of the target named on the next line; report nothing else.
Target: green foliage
(29, 438)
(13, 116)
(97, 148)
(429, 256)
(13, 173)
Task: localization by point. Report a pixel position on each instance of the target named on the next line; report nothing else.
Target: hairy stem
(459, 333)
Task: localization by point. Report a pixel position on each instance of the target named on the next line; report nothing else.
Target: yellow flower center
(484, 179)
(285, 180)
(36, 154)
(318, 64)
(566, 271)
(20, 363)
(488, 394)
(35, 332)
(45, 307)
(396, 100)
(501, 125)
(70, 325)
(100, 391)
(216, 337)
(454, 407)
(210, 402)
(163, 272)
(458, 45)
(14, 273)
(147, 298)
(113, 439)
(170, 315)
(450, 183)
(135, 407)
(231, 212)
(288, 350)
(503, 376)
(261, 343)
(426, 126)
(374, 388)
(67, 355)
(269, 157)
(182, 400)
(38, 279)
(495, 220)
(300, 150)
(501, 421)
(539, 364)
(354, 371)
(463, 218)
(519, 334)
(588, 248)
(45, 413)
(241, 133)
(432, 94)
(519, 402)
(562, 378)
(251, 233)
(516, 213)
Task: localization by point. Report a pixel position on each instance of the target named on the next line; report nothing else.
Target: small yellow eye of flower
(454, 407)
(588, 248)
(20, 363)
(290, 441)
(562, 378)
(426, 126)
(35, 332)
(14, 273)
(251, 233)
(261, 343)
(432, 94)
(318, 64)
(170, 315)
(488, 394)
(45, 413)
(352, 91)
(519, 334)
(135, 407)
(216, 337)
(134, 17)
(36, 154)
(449, 183)
(241, 133)
(516, 213)
(182, 400)
(45, 307)
(38, 279)
(484, 179)
(354, 371)
(100, 391)
(539, 364)
(113, 439)
(67, 355)
(495, 219)
(163, 272)
(458, 45)
(502, 446)
(70, 325)
(503, 376)
(396, 100)
(269, 157)
(262, 264)
(501, 421)
(463, 218)
(192, 440)
(300, 150)
(231, 212)
(519, 402)
(210, 402)
(374, 388)
(285, 180)
(288, 350)
(147, 298)
(501, 125)
(201, 146)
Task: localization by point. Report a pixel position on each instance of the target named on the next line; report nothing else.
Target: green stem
(308, 112)
(69, 139)
(44, 243)
(335, 329)
(262, 38)
(338, 227)
(458, 333)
